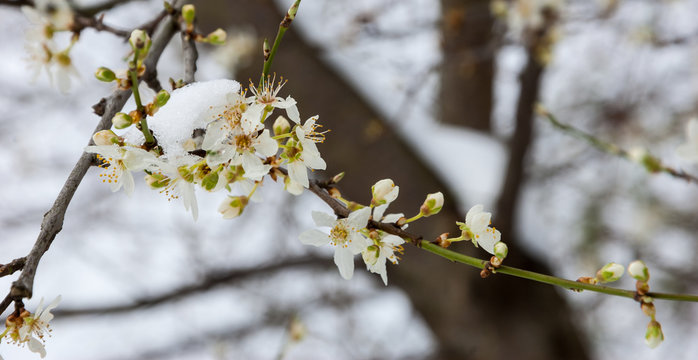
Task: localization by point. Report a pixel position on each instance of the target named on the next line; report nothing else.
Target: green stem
(547, 279)
(416, 217)
(149, 139)
(283, 26)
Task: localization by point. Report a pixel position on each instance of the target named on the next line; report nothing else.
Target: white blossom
(476, 228)
(266, 99)
(119, 161)
(384, 192)
(36, 325)
(345, 235)
(381, 251)
(307, 155)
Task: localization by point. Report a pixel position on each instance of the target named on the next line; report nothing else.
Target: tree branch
(53, 219)
(209, 282)
(190, 57)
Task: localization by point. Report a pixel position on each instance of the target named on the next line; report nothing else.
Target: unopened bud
(138, 39)
(105, 137)
(266, 50)
(371, 254)
(293, 9)
(105, 74)
(432, 205)
(384, 192)
(654, 335)
(121, 120)
(233, 206)
(188, 13)
(644, 158)
(649, 309)
(639, 271)
(161, 98)
(501, 250)
(337, 178)
(217, 37)
(610, 272)
(281, 126)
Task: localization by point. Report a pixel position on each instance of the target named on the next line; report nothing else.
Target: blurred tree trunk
(471, 318)
(467, 70)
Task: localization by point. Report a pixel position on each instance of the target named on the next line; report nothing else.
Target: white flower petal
(37, 347)
(472, 212)
(344, 260)
(298, 173)
(266, 145)
(323, 219)
(359, 218)
(314, 237)
(378, 212)
(293, 114)
(254, 168)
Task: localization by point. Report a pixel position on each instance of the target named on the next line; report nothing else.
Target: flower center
(339, 235)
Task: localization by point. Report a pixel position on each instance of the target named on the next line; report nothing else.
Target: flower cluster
(211, 135)
(27, 328)
(351, 236)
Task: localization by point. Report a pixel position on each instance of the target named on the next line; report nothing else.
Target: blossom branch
(318, 188)
(651, 163)
(53, 219)
(82, 22)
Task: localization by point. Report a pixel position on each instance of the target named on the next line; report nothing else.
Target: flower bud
(105, 74)
(105, 137)
(337, 178)
(233, 206)
(642, 287)
(371, 254)
(161, 98)
(293, 10)
(217, 37)
(654, 335)
(639, 271)
(384, 192)
(432, 205)
(610, 272)
(138, 39)
(188, 13)
(281, 126)
(644, 158)
(121, 120)
(266, 50)
(501, 250)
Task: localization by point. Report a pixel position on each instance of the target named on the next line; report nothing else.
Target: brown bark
(467, 69)
(471, 318)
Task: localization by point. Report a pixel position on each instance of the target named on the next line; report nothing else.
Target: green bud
(161, 98)
(501, 250)
(217, 37)
(384, 192)
(337, 178)
(188, 13)
(139, 39)
(266, 50)
(432, 205)
(281, 126)
(639, 271)
(654, 335)
(105, 74)
(121, 120)
(610, 272)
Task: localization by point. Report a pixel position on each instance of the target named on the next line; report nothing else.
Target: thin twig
(82, 22)
(209, 282)
(53, 219)
(190, 57)
(98, 8)
(12, 266)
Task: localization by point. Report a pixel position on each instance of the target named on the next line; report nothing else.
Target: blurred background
(438, 96)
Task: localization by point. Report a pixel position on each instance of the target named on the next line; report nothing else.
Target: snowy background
(115, 248)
